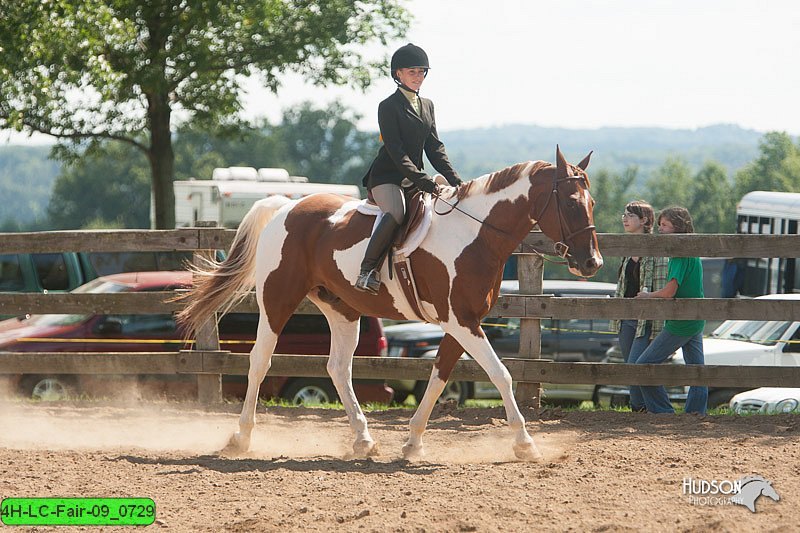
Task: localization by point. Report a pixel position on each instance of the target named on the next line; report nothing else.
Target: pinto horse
(313, 247)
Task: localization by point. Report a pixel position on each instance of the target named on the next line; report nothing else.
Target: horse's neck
(505, 211)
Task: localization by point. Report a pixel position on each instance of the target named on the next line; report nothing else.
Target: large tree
(87, 71)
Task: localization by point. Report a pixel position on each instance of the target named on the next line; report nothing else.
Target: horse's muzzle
(591, 266)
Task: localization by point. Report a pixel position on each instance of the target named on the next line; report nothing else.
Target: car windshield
(760, 331)
(95, 286)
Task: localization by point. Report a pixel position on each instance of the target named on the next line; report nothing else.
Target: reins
(561, 248)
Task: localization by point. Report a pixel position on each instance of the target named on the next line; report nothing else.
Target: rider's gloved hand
(427, 185)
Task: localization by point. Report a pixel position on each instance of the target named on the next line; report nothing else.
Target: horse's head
(565, 214)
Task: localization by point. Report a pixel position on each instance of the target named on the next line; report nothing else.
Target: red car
(303, 334)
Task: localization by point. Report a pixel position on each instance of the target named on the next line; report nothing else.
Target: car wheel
(458, 391)
(310, 392)
(47, 388)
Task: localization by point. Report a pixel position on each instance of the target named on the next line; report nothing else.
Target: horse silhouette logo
(751, 488)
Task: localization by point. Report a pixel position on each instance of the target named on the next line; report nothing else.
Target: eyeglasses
(629, 215)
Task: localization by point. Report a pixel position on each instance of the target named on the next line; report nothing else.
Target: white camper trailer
(230, 193)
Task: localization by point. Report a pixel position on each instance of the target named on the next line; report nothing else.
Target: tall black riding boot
(378, 245)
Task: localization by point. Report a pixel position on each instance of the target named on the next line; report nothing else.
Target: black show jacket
(405, 135)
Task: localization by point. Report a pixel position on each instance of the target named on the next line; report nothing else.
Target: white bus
(231, 192)
(768, 213)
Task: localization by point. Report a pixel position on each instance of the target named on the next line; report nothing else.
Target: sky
(587, 64)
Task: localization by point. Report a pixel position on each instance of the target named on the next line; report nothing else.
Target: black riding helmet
(409, 56)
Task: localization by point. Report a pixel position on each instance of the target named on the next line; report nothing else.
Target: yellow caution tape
(123, 341)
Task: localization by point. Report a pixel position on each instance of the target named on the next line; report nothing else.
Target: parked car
(766, 400)
(562, 340)
(303, 334)
(735, 342)
(65, 271)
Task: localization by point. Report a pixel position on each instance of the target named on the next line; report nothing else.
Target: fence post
(530, 271)
(209, 386)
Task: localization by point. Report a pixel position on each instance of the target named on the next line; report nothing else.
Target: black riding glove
(427, 185)
(456, 182)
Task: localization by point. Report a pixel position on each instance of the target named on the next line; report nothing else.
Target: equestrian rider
(407, 127)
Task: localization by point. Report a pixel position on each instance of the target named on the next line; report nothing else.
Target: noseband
(561, 247)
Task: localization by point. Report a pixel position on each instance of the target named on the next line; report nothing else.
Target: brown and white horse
(313, 247)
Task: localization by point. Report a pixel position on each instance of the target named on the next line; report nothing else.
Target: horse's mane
(497, 181)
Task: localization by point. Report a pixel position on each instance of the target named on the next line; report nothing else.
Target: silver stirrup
(363, 282)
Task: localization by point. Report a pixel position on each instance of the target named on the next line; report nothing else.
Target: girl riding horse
(408, 126)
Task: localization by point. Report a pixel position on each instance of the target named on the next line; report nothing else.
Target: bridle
(561, 248)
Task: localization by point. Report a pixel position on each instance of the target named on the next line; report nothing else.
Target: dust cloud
(189, 428)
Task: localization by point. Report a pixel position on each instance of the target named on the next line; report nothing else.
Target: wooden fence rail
(189, 239)
(516, 306)
(530, 306)
(522, 370)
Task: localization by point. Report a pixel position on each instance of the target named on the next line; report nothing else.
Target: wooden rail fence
(209, 362)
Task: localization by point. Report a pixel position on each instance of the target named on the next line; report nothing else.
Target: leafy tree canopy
(88, 71)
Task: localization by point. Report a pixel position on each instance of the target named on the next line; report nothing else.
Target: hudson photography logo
(744, 491)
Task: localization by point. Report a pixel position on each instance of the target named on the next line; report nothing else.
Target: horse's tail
(221, 285)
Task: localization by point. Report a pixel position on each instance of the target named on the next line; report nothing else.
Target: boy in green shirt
(684, 280)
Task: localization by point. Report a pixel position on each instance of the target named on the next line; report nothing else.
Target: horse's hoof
(365, 448)
(412, 452)
(527, 452)
(237, 444)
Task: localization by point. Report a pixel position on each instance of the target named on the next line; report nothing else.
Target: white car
(766, 400)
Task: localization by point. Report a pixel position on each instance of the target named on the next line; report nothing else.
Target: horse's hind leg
(446, 357)
(484, 354)
(344, 338)
(260, 359)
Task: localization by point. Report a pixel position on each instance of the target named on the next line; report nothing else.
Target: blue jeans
(632, 347)
(655, 397)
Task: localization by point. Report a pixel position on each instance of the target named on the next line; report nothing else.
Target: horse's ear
(585, 163)
(561, 164)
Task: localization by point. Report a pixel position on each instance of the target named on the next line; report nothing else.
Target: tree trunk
(162, 161)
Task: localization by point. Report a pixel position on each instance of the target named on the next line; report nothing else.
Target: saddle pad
(414, 238)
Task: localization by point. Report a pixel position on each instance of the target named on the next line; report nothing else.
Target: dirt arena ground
(602, 471)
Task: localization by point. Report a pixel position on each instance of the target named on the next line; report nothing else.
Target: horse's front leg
(479, 348)
(446, 357)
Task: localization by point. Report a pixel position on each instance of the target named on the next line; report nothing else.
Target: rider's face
(411, 77)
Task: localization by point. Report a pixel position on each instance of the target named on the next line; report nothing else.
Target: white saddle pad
(416, 237)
